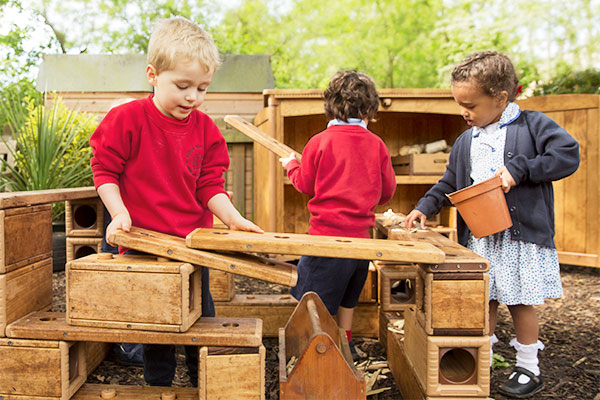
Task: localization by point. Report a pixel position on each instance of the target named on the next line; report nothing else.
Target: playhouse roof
(239, 73)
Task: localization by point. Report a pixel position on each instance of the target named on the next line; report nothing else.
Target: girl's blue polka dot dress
(520, 272)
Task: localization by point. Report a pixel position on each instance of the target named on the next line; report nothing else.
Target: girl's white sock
(527, 357)
(493, 341)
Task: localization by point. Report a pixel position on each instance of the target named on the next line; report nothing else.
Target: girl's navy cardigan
(537, 152)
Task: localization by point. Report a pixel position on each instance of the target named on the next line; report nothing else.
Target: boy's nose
(191, 96)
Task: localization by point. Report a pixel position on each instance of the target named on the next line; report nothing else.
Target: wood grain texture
(175, 248)
(36, 197)
(324, 246)
(220, 332)
(91, 391)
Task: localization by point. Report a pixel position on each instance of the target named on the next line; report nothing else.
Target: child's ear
(503, 97)
(151, 74)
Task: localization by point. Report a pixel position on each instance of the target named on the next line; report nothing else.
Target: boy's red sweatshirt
(347, 172)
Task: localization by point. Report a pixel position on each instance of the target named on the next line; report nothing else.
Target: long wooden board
(175, 248)
(221, 332)
(261, 137)
(91, 391)
(312, 245)
(34, 197)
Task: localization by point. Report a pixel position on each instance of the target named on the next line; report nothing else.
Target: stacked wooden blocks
(84, 227)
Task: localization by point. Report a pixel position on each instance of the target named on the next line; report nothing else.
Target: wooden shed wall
(239, 177)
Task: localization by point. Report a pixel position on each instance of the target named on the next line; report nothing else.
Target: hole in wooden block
(84, 216)
(220, 233)
(231, 325)
(281, 237)
(458, 366)
(343, 241)
(250, 297)
(82, 251)
(403, 291)
(406, 244)
(45, 319)
(74, 357)
(286, 297)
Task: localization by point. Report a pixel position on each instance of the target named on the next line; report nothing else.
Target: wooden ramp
(312, 245)
(219, 332)
(175, 248)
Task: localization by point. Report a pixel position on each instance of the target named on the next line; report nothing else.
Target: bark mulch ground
(569, 328)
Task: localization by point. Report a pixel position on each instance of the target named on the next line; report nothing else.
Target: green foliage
(569, 81)
(52, 149)
(499, 362)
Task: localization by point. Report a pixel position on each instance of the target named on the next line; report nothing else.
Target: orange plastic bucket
(483, 207)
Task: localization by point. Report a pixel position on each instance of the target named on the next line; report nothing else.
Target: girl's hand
(120, 221)
(286, 160)
(507, 179)
(411, 218)
(242, 224)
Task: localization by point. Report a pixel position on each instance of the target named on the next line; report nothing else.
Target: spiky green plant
(52, 149)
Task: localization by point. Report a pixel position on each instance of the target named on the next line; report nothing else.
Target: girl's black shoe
(512, 388)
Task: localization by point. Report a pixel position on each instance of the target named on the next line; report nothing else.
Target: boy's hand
(286, 160)
(411, 218)
(120, 221)
(507, 180)
(242, 224)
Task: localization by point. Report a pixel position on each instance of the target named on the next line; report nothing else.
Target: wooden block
(78, 247)
(230, 373)
(220, 332)
(41, 369)
(36, 197)
(312, 245)
(24, 290)
(398, 286)
(222, 285)
(454, 303)
(386, 324)
(95, 353)
(145, 293)
(90, 391)
(175, 248)
(25, 236)
(84, 217)
(274, 310)
(369, 290)
(403, 373)
(447, 365)
(420, 164)
(312, 351)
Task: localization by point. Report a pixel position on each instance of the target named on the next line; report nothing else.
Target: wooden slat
(312, 245)
(91, 391)
(34, 197)
(222, 332)
(175, 248)
(260, 137)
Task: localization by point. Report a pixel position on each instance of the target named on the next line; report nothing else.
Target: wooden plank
(402, 371)
(25, 236)
(260, 137)
(220, 332)
(232, 376)
(222, 285)
(583, 259)
(35, 197)
(91, 391)
(24, 290)
(323, 246)
(560, 102)
(175, 248)
(238, 168)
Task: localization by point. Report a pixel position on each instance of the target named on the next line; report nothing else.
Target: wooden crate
(314, 357)
(453, 303)
(25, 236)
(386, 321)
(421, 164)
(95, 353)
(145, 292)
(41, 369)
(447, 365)
(78, 247)
(232, 373)
(24, 290)
(369, 290)
(222, 285)
(275, 309)
(399, 287)
(84, 217)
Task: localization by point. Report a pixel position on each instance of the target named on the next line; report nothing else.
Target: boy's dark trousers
(159, 359)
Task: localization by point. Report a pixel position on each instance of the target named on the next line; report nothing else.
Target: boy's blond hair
(176, 38)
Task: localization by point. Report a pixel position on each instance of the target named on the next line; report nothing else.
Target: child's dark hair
(351, 94)
(493, 72)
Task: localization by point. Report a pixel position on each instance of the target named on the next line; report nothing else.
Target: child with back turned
(528, 151)
(158, 162)
(347, 172)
